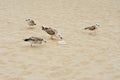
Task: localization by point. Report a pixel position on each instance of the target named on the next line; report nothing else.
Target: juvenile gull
(92, 28)
(52, 32)
(34, 40)
(30, 22)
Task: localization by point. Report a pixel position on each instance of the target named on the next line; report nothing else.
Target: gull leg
(52, 37)
(40, 42)
(31, 44)
(95, 32)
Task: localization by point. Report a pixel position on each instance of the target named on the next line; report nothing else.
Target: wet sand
(85, 56)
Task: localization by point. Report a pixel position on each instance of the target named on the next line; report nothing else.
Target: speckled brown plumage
(34, 40)
(91, 28)
(52, 32)
(30, 22)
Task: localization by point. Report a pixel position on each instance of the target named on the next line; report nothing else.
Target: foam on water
(61, 42)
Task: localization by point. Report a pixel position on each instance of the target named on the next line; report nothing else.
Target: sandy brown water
(84, 57)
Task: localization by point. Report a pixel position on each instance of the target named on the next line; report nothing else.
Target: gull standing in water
(52, 32)
(30, 22)
(34, 40)
(92, 28)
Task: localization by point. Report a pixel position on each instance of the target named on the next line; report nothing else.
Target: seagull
(52, 32)
(92, 28)
(30, 22)
(34, 40)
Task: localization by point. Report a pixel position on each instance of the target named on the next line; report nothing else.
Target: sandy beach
(84, 57)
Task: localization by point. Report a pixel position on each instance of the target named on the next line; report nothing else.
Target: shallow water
(86, 56)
